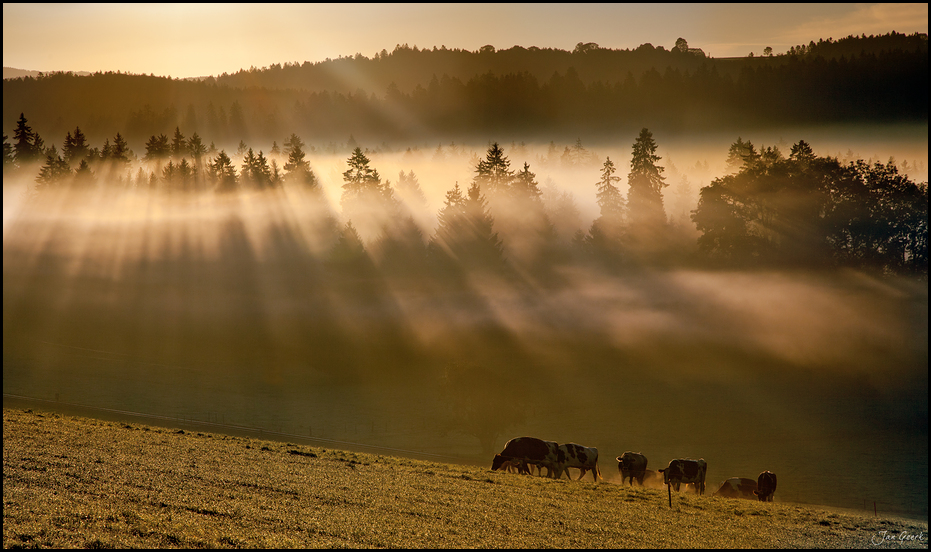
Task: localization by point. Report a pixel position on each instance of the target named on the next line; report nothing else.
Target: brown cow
(766, 486)
(528, 451)
(632, 465)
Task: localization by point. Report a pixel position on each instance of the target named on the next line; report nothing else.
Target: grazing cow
(576, 456)
(766, 486)
(686, 470)
(632, 465)
(511, 466)
(737, 487)
(524, 451)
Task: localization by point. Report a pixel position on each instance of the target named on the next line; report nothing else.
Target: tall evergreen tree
(54, 172)
(178, 145)
(604, 239)
(451, 223)
(366, 199)
(119, 151)
(609, 198)
(75, 147)
(222, 172)
(464, 234)
(27, 146)
(185, 175)
(255, 170)
(196, 149)
(493, 173)
(645, 198)
(157, 148)
(297, 167)
(735, 155)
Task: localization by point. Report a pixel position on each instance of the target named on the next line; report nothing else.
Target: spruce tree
(75, 147)
(222, 172)
(493, 172)
(646, 181)
(157, 148)
(55, 170)
(178, 145)
(366, 199)
(605, 235)
(119, 151)
(27, 146)
(297, 167)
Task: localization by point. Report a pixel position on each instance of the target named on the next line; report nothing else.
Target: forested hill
(455, 94)
(408, 67)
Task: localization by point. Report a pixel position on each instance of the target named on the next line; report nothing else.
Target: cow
(765, 486)
(737, 487)
(686, 470)
(527, 451)
(632, 465)
(572, 455)
(511, 466)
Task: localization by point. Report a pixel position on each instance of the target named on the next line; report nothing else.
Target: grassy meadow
(79, 482)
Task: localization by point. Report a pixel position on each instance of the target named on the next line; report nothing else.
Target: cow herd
(522, 454)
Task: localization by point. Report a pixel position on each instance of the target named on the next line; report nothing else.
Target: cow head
(497, 462)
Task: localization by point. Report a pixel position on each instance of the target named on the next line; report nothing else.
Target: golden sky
(186, 40)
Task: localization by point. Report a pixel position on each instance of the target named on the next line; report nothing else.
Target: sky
(191, 40)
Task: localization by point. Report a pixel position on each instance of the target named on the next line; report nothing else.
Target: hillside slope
(78, 482)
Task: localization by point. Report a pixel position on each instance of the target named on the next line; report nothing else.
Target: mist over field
(232, 308)
(432, 251)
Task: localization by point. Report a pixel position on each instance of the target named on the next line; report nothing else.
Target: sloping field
(79, 482)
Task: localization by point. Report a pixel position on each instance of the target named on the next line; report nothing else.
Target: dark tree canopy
(814, 210)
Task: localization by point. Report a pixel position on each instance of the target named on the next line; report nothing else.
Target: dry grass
(78, 482)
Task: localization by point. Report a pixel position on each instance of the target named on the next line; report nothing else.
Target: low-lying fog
(222, 307)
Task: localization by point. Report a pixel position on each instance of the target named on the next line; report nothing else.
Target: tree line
(517, 91)
(771, 210)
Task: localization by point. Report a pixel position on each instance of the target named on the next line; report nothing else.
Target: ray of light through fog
(198, 304)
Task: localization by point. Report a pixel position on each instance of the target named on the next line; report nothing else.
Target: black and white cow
(527, 451)
(686, 470)
(737, 487)
(572, 455)
(765, 486)
(632, 465)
